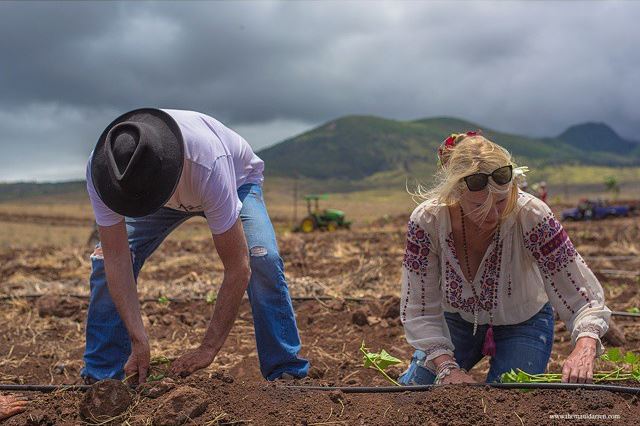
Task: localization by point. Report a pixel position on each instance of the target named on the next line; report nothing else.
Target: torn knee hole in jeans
(97, 253)
(258, 251)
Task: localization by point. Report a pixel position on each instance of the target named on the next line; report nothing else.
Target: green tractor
(326, 220)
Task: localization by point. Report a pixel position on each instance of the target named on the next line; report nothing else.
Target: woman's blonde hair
(465, 156)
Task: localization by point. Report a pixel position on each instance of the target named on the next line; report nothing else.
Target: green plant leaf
(155, 377)
(613, 355)
(509, 377)
(163, 300)
(522, 377)
(211, 298)
(634, 310)
(158, 360)
(631, 358)
(379, 361)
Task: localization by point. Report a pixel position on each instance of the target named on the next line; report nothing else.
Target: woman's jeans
(107, 341)
(526, 346)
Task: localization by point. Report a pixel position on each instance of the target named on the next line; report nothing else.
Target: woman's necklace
(466, 262)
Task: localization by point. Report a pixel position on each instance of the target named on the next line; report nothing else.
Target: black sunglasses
(479, 181)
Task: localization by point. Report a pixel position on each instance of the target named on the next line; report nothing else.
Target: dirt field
(42, 340)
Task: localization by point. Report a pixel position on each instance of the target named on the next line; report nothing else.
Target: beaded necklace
(488, 347)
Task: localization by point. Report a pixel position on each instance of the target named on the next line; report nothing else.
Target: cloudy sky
(271, 70)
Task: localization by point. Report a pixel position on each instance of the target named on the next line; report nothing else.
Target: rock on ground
(105, 400)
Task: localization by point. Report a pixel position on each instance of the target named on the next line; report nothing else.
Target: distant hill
(359, 147)
(598, 137)
(19, 190)
(361, 152)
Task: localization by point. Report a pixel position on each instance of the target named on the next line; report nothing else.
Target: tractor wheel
(332, 226)
(308, 225)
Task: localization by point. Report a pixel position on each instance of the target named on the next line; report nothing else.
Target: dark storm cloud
(272, 69)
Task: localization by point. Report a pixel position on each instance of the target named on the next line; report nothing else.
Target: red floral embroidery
(553, 251)
(489, 282)
(416, 260)
(550, 246)
(418, 249)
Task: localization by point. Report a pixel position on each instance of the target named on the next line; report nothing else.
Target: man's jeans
(108, 345)
(526, 346)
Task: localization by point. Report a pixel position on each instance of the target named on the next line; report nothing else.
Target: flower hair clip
(451, 141)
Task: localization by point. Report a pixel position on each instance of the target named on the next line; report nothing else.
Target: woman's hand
(457, 376)
(578, 368)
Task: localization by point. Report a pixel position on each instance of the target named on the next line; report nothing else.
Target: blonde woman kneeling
(484, 268)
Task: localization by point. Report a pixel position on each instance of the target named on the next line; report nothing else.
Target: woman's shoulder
(427, 214)
(530, 209)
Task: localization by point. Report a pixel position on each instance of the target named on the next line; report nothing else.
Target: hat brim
(166, 180)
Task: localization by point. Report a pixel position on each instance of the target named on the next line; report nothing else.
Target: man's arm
(123, 291)
(233, 251)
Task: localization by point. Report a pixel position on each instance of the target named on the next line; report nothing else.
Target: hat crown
(130, 146)
(137, 162)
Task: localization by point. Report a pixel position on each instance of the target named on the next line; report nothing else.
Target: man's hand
(578, 368)
(138, 362)
(193, 361)
(457, 376)
(11, 405)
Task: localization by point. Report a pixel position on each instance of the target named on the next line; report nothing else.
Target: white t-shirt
(217, 161)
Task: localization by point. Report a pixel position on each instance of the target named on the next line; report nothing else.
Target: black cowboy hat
(137, 162)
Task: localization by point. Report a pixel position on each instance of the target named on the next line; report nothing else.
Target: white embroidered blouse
(533, 262)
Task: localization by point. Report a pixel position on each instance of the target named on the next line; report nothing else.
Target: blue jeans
(107, 341)
(526, 346)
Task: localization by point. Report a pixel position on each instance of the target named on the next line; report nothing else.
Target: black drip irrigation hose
(43, 388)
(294, 298)
(371, 389)
(423, 388)
(179, 300)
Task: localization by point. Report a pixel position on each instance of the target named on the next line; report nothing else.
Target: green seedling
(211, 298)
(163, 300)
(379, 361)
(628, 368)
(159, 360)
(634, 310)
(155, 377)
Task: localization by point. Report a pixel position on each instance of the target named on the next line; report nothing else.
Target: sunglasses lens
(502, 175)
(476, 182)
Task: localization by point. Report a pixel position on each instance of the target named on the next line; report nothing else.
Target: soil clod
(179, 406)
(56, 306)
(106, 400)
(359, 317)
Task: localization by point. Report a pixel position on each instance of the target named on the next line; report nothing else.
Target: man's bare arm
(123, 291)
(233, 251)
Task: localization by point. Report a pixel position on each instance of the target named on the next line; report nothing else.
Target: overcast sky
(271, 70)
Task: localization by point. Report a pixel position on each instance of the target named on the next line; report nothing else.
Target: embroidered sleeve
(574, 291)
(421, 298)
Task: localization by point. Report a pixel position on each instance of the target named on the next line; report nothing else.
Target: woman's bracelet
(444, 373)
(447, 364)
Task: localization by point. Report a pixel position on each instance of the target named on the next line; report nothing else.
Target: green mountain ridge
(598, 137)
(360, 147)
(359, 152)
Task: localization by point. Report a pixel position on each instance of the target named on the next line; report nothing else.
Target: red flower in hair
(449, 141)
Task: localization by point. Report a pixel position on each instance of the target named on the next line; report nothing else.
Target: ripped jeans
(526, 346)
(107, 342)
